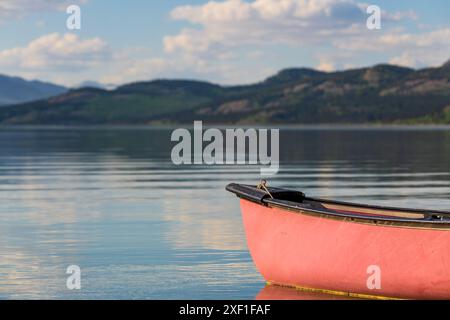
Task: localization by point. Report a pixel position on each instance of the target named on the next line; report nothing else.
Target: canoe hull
(344, 257)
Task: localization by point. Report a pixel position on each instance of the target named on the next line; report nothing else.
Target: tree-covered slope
(380, 94)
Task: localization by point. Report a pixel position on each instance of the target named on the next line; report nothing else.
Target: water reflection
(111, 201)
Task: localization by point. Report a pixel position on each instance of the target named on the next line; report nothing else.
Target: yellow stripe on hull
(333, 292)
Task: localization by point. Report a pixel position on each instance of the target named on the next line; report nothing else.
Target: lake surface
(110, 201)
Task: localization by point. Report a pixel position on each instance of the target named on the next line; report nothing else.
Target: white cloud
(397, 16)
(405, 59)
(56, 52)
(20, 8)
(128, 70)
(231, 41)
(326, 66)
(333, 26)
(69, 59)
(62, 58)
(295, 22)
(189, 40)
(183, 66)
(397, 39)
(430, 48)
(281, 11)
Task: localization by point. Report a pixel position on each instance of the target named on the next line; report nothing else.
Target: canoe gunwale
(294, 201)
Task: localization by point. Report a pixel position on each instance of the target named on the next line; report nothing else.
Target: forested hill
(379, 94)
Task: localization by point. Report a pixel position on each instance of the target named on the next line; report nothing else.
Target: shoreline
(225, 126)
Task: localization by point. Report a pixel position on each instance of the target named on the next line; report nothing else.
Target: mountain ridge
(16, 90)
(379, 94)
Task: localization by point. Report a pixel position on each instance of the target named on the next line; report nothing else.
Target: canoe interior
(371, 211)
(298, 201)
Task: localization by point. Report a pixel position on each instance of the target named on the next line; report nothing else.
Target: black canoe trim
(297, 201)
(254, 194)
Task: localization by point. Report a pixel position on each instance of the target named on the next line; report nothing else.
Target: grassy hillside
(380, 94)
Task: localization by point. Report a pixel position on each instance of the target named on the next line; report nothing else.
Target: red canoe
(343, 248)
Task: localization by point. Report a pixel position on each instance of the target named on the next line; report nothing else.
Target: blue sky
(226, 41)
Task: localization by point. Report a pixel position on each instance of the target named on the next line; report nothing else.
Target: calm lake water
(111, 201)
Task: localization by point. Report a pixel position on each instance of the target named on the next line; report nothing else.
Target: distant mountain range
(379, 94)
(14, 90)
